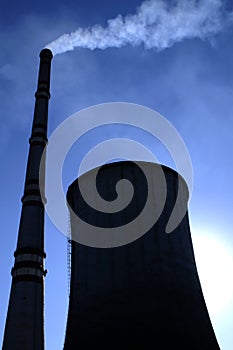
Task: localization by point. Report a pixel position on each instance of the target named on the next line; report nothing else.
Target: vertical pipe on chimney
(24, 327)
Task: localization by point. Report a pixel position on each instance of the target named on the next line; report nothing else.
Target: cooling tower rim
(165, 168)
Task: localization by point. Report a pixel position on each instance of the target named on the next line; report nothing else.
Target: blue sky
(189, 83)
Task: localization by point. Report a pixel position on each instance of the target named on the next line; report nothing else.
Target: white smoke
(156, 24)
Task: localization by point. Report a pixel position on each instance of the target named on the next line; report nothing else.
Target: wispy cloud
(156, 24)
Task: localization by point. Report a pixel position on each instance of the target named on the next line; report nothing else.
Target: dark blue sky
(189, 83)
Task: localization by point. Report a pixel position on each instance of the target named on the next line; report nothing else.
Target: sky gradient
(189, 83)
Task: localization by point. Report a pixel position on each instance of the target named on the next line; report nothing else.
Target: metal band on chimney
(29, 257)
(28, 267)
(34, 199)
(27, 271)
(44, 94)
(28, 274)
(29, 187)
(38, 140)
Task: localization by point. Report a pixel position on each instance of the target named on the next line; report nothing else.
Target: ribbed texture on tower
(24, 328)
(142, 295)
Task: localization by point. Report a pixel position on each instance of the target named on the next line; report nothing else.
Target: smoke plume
(156, 24)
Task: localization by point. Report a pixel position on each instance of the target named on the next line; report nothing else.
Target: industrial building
(145, 293)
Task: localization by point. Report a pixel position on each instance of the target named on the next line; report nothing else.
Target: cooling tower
(143, 294)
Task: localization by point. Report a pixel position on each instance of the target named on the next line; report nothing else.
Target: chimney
(24, 327)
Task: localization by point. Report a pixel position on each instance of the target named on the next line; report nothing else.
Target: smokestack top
(46, 53)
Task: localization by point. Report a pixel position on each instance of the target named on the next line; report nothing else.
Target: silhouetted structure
(24, 329)
(145, 294)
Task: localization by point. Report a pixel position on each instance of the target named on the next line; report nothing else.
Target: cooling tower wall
(144, 292)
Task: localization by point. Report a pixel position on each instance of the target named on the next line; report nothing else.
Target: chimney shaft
(24, 327)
